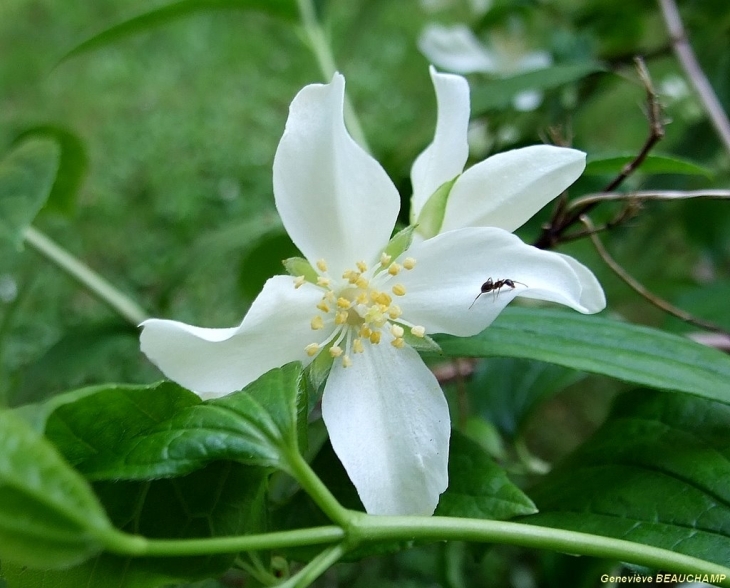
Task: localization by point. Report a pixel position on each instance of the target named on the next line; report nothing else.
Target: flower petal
(389, 425)
(445, 157)
(456, 48)
(452, 266)
(335, 200)
(505, 190)
(216, 362)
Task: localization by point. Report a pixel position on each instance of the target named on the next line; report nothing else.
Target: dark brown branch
(643, 291)
(553, 232)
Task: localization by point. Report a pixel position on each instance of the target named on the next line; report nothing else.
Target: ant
(491, 286)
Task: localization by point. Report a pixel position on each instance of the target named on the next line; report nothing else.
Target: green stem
(326, 61)
(370, 529)
(313, 486)
(84, 275)
(315, 568)
(364, 528)
(136, 545)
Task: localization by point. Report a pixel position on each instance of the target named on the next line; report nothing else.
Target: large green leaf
(632, 353)
(26, 179)
(657, 473)
(653, 164)
(49, 515)
(160, 16)
(478, 487)
(220, 500)
(73, 163)
(147, 432)
(498, 93)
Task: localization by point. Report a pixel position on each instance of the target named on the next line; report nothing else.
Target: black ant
(492, 286)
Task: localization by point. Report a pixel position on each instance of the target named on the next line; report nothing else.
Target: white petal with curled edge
(456, 48)
(506, 189)
(335, 200)
(451, 268)
(445, 157)
(389, 424)
(216, 362)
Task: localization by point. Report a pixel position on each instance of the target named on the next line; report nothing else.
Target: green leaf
(49, 515)
(431, 217)
(147, 432)
(223, 499)
(154, 18)
(478, 487)
(505, 390)
(72, 168)
(655, 473)
(495, 94)
(653, 164)
(26, 179)
(632, 353)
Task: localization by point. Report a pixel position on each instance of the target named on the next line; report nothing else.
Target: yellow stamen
(312, 349)
(346, 361)
(348, 273)
(317, 323)
(398, 343)
(357, 346)
(399, 290)
(341, 317)
(299, 281)
(394, 269)
(335, 351)
(329, 296)
(365, 331)
(382, 298)
(385, 259)
(394, 311)
(343, 302)
(362, 282)
(409, 263)
(324, 282)
(418, 331)
(362, 266)
(323, 306)
(375, 337)
(362, 298)
(396, 331)
(322, 265)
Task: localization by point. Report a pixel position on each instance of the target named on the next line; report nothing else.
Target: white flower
(503, 191)
(384, 410)
(456, 49)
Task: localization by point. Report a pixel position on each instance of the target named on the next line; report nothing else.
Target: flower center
(358, 309)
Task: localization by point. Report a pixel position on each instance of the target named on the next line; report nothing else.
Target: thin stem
(313, 486)
(694, 72)
(326, 61)
(639, 195)
(84, 275)
(315, 568)
(643, 291)
(447, 528)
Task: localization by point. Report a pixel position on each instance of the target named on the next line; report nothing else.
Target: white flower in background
(456, 49)
(384, 410)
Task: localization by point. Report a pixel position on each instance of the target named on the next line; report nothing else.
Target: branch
(644, 292)
(694, 72)
(640, 195)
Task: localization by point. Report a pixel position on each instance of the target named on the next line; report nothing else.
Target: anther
(394, 311)
(335, 351)
(357, 346)
(409, 263)
(399, 290)
(317, 323)
(398, 343)
(346, 361)
(322, 265)
(312, 349)
(385, 259)
(323, 306)
(299, 281)
(343, 302)
(362, 266)
(362, 282)
(394, 269)
(374, 337)
(341, 317)
(418, 331)
(324, 282)
(396, 331)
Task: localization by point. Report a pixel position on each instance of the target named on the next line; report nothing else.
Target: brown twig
(640, 195)
(644, 292)
(694, 72)
(553, 232)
